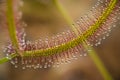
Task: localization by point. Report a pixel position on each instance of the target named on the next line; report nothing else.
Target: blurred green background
(43, 19)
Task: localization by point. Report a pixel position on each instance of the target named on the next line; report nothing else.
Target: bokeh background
(43, 19)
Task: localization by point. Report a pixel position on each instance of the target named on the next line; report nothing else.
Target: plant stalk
(11, 26)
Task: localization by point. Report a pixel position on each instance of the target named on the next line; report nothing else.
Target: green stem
(106, 75)
(6, 59)
(12, 31)
(65, 15)
(92, 52)
(11, 25)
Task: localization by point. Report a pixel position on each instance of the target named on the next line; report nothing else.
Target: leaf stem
(97, 61)
(65, 14)
(6, 59)
(12, 26)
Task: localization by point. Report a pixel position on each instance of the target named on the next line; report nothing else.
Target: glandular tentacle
(55, 47)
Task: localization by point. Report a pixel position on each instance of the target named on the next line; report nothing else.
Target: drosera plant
(87, 31)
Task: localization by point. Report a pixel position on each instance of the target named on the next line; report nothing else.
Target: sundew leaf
(66, 45)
